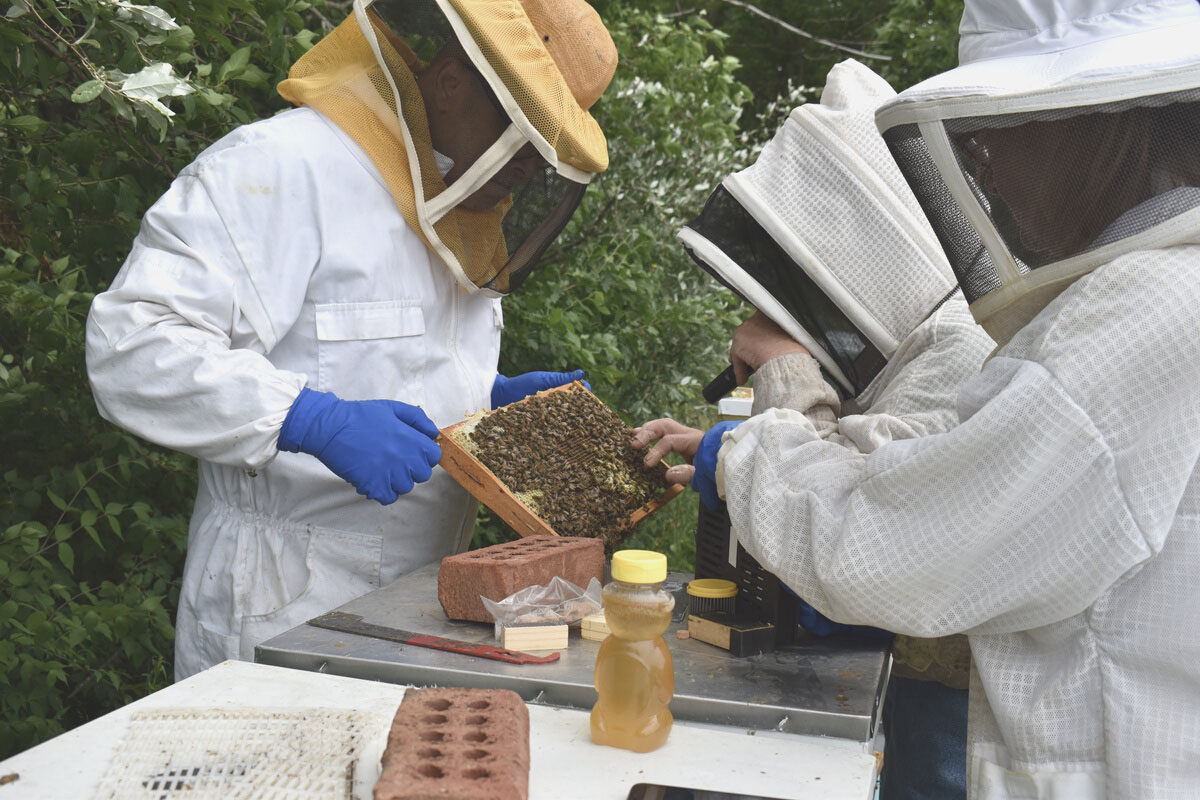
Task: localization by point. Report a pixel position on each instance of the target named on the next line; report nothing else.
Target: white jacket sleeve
(1075, 446)
(217, 275)
(916, 394)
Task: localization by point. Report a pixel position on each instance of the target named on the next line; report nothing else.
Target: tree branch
(805, 34)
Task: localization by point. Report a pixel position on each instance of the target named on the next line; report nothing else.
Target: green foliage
(101, 103)
(906, 41)
(922, 37)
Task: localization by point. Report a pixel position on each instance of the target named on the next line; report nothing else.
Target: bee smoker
(764, 612)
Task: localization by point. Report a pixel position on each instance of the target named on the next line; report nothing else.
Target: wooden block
(708, 631)
(594, 627)
(740, 637)
(526, 638)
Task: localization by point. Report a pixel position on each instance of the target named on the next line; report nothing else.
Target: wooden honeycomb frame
(488, 489)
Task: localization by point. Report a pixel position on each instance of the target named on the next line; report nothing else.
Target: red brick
(502, 569)
(457, 744)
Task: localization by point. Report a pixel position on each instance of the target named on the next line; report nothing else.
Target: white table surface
(565, 762)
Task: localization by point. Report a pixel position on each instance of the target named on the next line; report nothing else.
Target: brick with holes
(457, 744)
(496, 572)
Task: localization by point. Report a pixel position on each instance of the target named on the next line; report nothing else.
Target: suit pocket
(372, 350)
(338, 566)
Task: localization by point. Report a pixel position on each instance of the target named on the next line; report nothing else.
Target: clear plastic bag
(558, 602)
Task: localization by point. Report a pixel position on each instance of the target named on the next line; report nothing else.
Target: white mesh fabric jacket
(1058, 525)
(914, 395)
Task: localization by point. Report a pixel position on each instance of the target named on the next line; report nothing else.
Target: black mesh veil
(1056, 184)
(728, 226)
(490, 197)
(541, 209)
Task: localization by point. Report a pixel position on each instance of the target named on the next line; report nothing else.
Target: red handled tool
(352, 623)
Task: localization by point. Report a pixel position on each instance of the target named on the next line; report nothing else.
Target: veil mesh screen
(1058, 183)
(731, 228)
(972, 264)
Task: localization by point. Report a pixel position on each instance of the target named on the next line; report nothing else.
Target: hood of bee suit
(1063, 140)
(540, 65)
(822, 234)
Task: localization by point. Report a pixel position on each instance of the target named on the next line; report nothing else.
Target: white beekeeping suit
(332, 250)
(1059, 523)
(816, 234)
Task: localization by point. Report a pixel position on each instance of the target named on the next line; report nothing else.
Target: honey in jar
(634, 675)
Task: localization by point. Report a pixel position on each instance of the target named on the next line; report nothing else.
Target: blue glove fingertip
(415, 417)
(578, 375)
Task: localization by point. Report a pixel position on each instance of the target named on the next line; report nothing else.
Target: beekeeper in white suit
(1058, 165)
(318, 292)
(816, 234)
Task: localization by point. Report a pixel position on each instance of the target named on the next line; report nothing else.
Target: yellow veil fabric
(341, 78)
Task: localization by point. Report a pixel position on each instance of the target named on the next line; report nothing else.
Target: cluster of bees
(569, 458)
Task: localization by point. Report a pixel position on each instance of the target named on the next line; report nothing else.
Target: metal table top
(831, 686)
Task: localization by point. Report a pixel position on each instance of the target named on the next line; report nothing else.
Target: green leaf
(94, 535)
(87, 92)
(150, 16)
(236, 63)
(27, 123)
(152, 83)
(58, 502)
(67, 556)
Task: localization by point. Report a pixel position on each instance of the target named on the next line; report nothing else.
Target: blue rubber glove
(818, 624)
(381, 447)
(704, 481)
(510, 390)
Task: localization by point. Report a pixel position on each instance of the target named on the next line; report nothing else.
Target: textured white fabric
(1018, 28)
(915, 395)
(277, 260)
(795, 381)
(1058, 525)
(1018, 50)
(827, 190)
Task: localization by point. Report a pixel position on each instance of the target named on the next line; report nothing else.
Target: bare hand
(755, 342)
(673, 437)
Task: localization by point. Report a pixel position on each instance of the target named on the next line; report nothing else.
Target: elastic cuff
(792, 381)
(299, 418)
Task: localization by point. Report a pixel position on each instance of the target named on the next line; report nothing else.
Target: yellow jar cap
(712, 587)
(639, 566)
